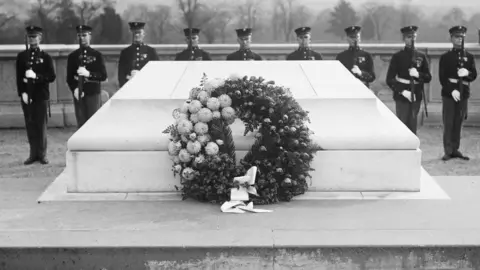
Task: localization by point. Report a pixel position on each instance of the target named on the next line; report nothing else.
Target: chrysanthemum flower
(194, 147)
(201, 128)
(225, 101)
(213, 104)
(184, 156)
(194, 106)
(211, 149)
(184, 127)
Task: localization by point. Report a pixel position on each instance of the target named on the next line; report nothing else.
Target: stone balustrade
(61, 97)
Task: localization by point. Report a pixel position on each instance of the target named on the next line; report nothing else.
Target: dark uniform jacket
(135, 56)
(304, 54)
(93, 62)
(398, 76)
(243, 55)
(362, 59)
(449, 65)
(42, 64)
(193, 54)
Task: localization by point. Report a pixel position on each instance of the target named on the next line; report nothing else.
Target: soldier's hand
(456, 95)
(75, 93)
(83, 72)
(407, 95)
(30, 74)
(25, 98)
(25, 80)
(133, 73)
(463, 72)
(356, 70)
(413, 72)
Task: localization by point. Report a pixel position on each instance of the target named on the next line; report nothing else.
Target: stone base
(58, 191)
(150, 171)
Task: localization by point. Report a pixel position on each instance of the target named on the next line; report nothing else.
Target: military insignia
(465, 59)
(419, 61)
(199, 58)
(144, 56)
(361, 59)
(90, 59)
(39, 60)
(312, 57)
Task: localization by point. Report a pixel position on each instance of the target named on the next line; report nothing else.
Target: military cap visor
(83, 29)
(34, 30)
(458, 29)
(303, 30)
(136, 25)
(191, 31)
(243, 32)
(409, 29)
(352, 30)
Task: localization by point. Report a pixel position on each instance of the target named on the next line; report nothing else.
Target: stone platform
(324, 234)
(122, 148)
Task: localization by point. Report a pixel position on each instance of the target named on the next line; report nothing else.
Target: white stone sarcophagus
(366, 148)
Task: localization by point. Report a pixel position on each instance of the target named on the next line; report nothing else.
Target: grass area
(14, 150)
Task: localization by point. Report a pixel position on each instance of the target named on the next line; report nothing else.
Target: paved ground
(300, 224)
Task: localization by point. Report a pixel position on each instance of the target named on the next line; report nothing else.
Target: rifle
(29, 81)
(80, 78)
(412, 81)
(192, 54)
(355, 51)
(460, 79)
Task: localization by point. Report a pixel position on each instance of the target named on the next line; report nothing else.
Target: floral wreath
(203, 151)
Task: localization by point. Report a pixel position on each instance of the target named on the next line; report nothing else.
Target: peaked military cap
(302, 30)
(458, 29)
(351, 30)
(243, 32)
(83, 29)
(194, 31)
(409, 29)
(33, 30)
(136, 25)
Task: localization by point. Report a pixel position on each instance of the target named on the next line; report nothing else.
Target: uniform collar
(352, 48)
(245, 50)
(456, 50)
(407, 49)
(304, 49)
(193, 47)
(138, 44)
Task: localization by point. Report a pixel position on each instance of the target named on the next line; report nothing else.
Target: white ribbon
(238, 195)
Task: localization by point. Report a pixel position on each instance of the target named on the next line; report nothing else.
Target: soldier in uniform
(244, 38)
(399, 75)
(304, 52)
(34, 73)
(358, 61)
(192, 52)
(86, 64)
(136, 56)
(454, 65)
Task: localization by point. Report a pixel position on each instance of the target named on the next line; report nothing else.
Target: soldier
(399, 75)
(85, 65)
(456, 71)
(34, 72)
(244, 38)
(136, 56)
(192, 52)
(358, 61)
(304, 52)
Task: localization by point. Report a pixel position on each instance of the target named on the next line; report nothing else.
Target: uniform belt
(452, 80)
(404, 81)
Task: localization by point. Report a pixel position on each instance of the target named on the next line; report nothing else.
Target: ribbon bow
(243, 185)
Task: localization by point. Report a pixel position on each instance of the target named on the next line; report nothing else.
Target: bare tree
(43, 11)
(4, 15)
(284, 17)
(381, 17)
(87, 10)
(248, 11)
(191, 13)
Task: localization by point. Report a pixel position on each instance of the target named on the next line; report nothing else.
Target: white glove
(133, 73)
(83, 72)
(413, 72)
(25, 98)
(356, 70)
(30, 74)
(463, 72)
(407, 95)
(456, 95)
(75, 94)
